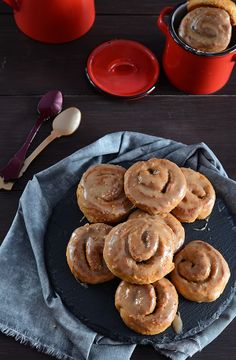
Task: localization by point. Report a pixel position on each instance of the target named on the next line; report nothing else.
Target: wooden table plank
(131, 7)
(222, 348)
(186, 119)
(9, 204)
(119, 6)
(28, 67)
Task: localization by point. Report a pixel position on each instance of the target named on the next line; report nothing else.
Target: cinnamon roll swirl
(84, 254)
(147, 309)
(201, 273)
(227, 5)
(206, 29)
(155, 186)
(199, 199)
(139, 251)
(100, 194)
(168, 219)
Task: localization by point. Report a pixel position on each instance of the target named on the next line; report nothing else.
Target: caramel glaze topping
(199, 199)
(168, 219)
(201, 273)
(206, 29)
(101, 194)
(155, 186)
(140, 250)
(85, 254)
(147, 309)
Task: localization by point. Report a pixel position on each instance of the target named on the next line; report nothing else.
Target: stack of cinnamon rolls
(135, 234)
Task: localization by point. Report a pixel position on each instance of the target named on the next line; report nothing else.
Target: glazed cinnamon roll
(227, 5)
(155, 186)
(147, 309)
(168, 219)
(206, 29)
(201, 273)
(101, 196)
(139, 251)
(199, 199)
(84, 254)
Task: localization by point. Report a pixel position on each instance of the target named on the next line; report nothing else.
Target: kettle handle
(14, 4)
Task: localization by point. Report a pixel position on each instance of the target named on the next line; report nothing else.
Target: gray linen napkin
(30, 309)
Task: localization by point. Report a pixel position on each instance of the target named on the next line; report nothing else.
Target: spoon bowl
(50, 104)
(64, 124)
(67, 122)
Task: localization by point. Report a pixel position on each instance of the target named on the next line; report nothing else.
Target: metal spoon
(49, 105)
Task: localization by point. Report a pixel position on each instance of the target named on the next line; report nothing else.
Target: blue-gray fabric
(30, 310)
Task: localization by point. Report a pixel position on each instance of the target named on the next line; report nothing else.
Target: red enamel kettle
(53, 21)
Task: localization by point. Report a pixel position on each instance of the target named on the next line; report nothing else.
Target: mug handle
(161, 21)
(14, 4)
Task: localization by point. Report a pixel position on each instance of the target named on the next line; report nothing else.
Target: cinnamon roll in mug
(147, 309)
(208, 25)
(206, 29)
(227, 5)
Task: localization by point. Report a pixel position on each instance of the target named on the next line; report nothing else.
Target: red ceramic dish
(123, 68)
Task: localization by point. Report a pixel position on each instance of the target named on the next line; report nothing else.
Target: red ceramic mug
(188, 70)
(53, 21)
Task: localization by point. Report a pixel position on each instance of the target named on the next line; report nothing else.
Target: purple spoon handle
(49, 105)
(13, 167)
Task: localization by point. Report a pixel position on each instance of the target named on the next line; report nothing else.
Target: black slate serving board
(94, 304)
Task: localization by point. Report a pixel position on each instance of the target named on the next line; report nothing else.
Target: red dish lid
(123, 68)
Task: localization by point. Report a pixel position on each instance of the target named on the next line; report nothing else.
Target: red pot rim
(123, 68)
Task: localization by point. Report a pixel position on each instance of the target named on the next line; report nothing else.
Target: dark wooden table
(28, 69)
